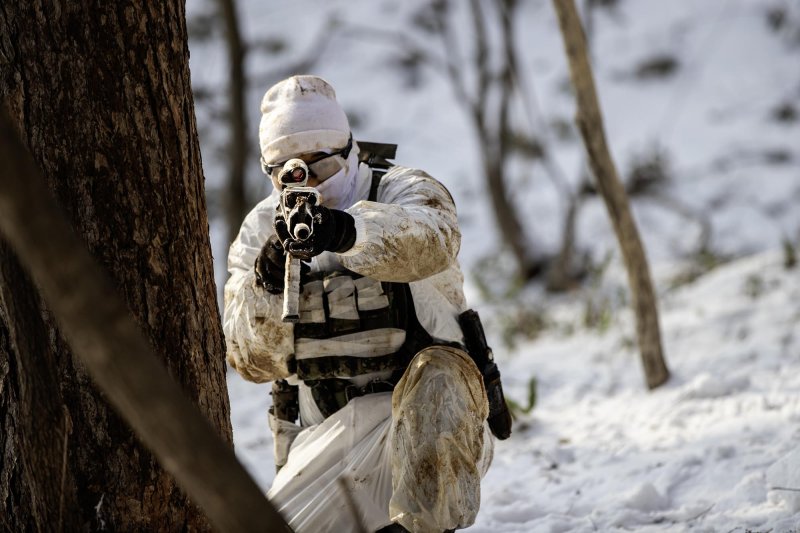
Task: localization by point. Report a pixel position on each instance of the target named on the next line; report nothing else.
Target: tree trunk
(590, 123)
(101, 95)
(236, 202)
(507, 220)
(103, 334)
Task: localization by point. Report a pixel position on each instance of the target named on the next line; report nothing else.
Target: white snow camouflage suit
(414, 456)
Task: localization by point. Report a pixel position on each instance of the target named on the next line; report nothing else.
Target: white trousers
(414, 456)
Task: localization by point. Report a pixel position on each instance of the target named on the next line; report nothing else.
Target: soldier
(379, 414)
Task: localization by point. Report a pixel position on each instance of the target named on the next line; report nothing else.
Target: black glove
(271, 265)
(334, 231)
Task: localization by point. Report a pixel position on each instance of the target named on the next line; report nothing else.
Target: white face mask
(338, 190)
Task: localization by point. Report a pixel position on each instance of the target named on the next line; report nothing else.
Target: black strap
(330, 395)
(499, 418)
(373, 189)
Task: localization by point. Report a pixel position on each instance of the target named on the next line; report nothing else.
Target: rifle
(295, 207)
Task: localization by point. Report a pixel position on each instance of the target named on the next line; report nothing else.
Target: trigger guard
(301, 251)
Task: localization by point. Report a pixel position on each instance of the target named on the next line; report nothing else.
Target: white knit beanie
(301, 115)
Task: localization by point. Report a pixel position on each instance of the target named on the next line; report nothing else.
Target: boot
(397, 528)
(392, 528)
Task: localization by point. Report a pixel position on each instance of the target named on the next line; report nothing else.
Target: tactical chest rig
(352, 326)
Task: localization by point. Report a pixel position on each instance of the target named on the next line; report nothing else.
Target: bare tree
(489, 84)
(101, 97)
(236, 201)
(488, 104)
(590, 123)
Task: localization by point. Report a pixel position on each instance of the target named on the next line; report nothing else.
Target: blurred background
(701, 102)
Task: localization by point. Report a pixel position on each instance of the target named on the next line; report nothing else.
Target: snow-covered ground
(712, 450)
(716, 449)
(600, 453)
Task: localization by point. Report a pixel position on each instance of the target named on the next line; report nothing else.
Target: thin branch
(562, 274)
(312, 56)
(702, 513)
(557, 277)
(789, 489)
(236, 204)
(532, 109)
(473, 103)
(506, 74)
(703, 241)
(590, 123)
(482, 62)
(399, 39)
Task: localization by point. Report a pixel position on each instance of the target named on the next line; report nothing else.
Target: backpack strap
(377, 156)
(376, 180)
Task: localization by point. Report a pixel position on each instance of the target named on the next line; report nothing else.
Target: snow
(783, 478)
(715, 449)
(601, 453)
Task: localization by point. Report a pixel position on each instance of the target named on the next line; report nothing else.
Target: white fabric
(351, 445)
(300, 115)
(372, 343)
(339, 191)
(283, 435)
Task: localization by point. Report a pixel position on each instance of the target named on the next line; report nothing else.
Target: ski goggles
(320, 164)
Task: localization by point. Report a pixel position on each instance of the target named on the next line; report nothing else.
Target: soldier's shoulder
(402, 180)
(400, 176)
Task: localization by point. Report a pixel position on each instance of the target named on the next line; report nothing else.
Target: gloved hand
(334, 231)
(271, 265)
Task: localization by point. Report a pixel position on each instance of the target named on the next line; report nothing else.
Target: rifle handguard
(291, 290)
(294, 206)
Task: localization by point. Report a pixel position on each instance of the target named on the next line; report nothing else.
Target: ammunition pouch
(346, 366)
(330, 395)
(285, 401)
(352, 326)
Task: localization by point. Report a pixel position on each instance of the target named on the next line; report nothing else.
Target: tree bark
(590, 123)
(101, 97)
